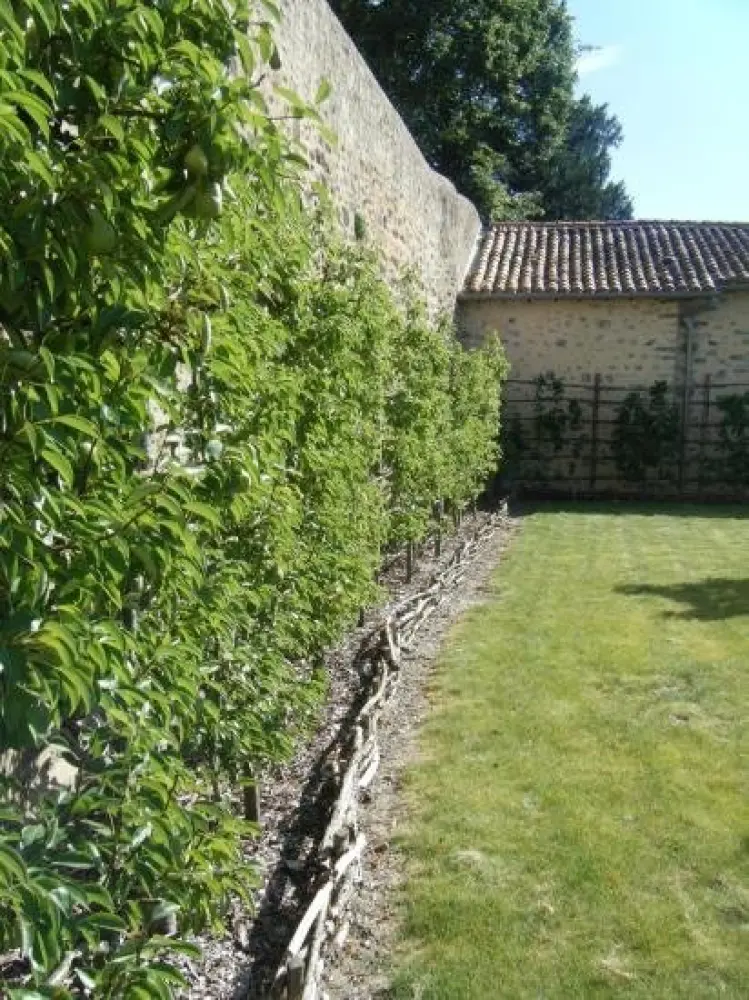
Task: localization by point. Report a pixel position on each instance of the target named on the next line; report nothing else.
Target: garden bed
(296, 800)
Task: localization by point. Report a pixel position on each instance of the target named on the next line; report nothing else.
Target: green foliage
(733, 439)
(554, 416)
(474, 377)
(213, 415)
(360, 226)
(418, 420)
(577, 184)
(646, 435)
(531, 447)
(487, 89)
(442, 420)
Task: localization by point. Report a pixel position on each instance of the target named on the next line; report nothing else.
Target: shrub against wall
(546, 438)
(646, 435)
(732, 461)
(212, 417)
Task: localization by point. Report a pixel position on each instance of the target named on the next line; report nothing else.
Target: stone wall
(376, 171)
(699, 347)
(626, 341)
(629, 342)
(721, 339)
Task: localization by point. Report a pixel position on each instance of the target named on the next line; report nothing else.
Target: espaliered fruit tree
(213, 417)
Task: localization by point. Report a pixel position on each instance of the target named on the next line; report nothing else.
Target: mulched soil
(241, 964)
(361, 971)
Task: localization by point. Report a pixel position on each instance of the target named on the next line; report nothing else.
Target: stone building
(629, 351)
(634, 302)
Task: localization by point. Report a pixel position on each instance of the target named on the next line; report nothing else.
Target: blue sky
(676, 74)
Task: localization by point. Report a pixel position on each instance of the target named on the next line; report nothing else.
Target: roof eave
(468, 296)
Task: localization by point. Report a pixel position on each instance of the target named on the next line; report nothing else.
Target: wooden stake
(295, 978)
(439, 511)
(594, 431)
(704, 429)
(251, 800)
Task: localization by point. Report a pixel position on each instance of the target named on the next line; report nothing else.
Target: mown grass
(579, 817)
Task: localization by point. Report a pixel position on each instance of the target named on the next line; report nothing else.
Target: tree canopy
(487, 89)
(578, 185)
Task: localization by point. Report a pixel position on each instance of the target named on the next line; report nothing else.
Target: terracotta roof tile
(586, 259)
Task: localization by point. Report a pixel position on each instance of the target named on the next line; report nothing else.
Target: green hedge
(213, 417)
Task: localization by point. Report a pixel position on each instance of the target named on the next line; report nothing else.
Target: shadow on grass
(638, 508)
(704, 600)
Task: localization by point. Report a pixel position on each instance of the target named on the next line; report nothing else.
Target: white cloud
(597, 59)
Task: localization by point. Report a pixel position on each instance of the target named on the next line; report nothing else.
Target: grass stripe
(578, 820)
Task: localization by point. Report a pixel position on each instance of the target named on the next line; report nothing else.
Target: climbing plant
(204, 442)
(731, 465)
(552, 432)
(646, 435)
(555, 416)
(416, 453)
(474, 377)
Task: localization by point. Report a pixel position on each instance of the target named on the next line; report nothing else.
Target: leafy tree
(578, 185)
(194, 411)
(487, 90)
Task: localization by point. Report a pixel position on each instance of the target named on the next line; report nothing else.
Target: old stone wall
(629, 342)
(721, 339)
(626, 341)
(562, 435)
(375, 171)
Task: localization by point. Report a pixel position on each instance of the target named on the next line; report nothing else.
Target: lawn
(578, 816)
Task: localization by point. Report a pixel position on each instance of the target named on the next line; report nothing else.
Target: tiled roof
(588, 259)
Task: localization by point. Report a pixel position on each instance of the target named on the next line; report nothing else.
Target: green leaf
(324, 91)
(12, 126)
(31, 434)
(41, 81)
(74, 860)
(33, 106)
(60, 463)
(178, 946)
(101, 922)
(77, 422)
(11, 864)
(167, 973)
(140, 835)
(39, 166)
(112, 125)
(24, 361)
(204, 511)
(293, 100)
